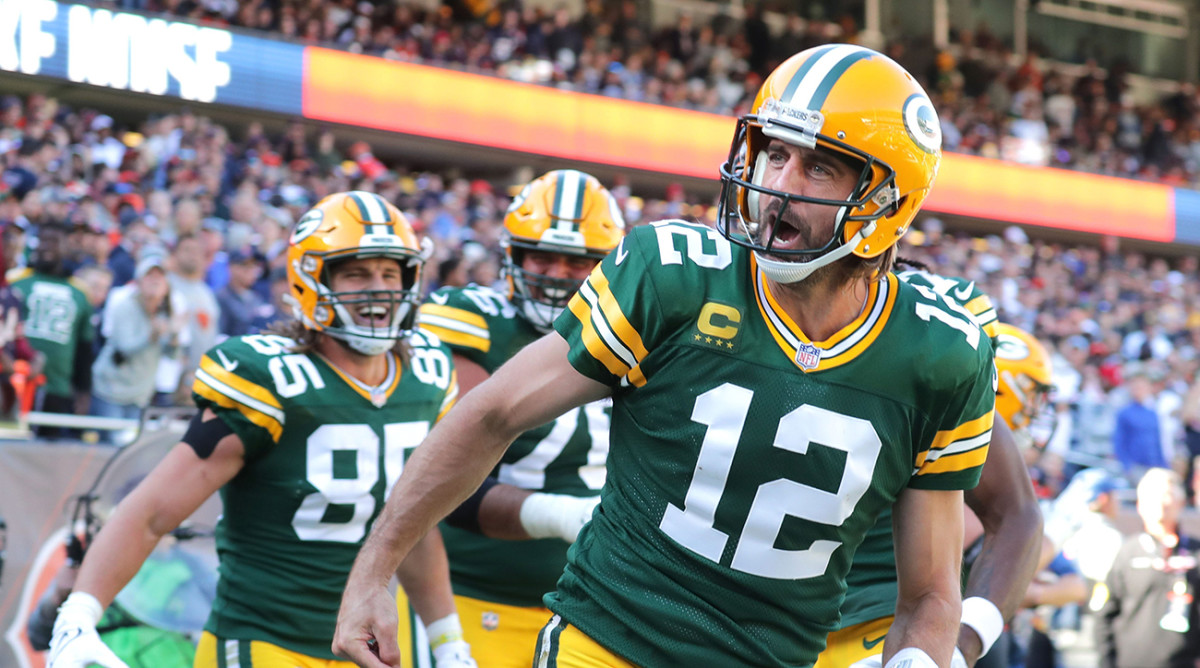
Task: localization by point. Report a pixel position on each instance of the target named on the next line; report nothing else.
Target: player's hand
(456, 654)
(556, 515)
(75, 643)
(366, 629)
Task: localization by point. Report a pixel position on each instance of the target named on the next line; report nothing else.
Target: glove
(556, 515)
(454, 654)
(75, 643)
(958, 660)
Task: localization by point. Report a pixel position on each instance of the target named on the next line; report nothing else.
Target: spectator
(1137, 440)
(59, 326)
(203, 312)
(240, 305)
(1150, 617)
(144, 329)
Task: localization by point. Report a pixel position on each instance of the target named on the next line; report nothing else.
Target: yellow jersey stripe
(980, 305)
(616, 318)
(273, 427)
(962, 461)
(455, 337)
(591, 340)
(451, 397)
(964, 431)
(230, 379)
(438, 312)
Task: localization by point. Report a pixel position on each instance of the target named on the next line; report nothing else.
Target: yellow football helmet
(859, 104)
(563, 211)
(351, 225)
(1024, 369)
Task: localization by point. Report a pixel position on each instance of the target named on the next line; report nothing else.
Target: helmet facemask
(539, 297)
(874, 195)
(334, 313)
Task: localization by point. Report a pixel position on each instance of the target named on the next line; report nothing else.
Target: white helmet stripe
(569, 198)
(802, 97)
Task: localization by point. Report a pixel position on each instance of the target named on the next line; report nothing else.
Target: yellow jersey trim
(844, 346)
(455, 326)
(273, 426)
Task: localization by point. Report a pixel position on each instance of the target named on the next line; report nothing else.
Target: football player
(774, 387)
(303, 435)
(1003, 504)
(555, 232)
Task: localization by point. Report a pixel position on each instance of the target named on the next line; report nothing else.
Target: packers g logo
(921, 122)
(1009, 347)
(307, 224)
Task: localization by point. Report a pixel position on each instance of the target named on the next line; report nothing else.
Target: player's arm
(498, 510)
(927, 528)
(1006, 506)
(208, 458)
(425, 576)
(534, 387)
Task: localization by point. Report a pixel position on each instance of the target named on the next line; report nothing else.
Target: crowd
(990, 103)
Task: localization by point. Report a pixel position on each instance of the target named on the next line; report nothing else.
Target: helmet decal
(307, 224)
(922, 123)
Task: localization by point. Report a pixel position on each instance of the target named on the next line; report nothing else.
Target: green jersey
(322, 452)
(871, 586)
(563, 457)
(748, 462)
(58, 318)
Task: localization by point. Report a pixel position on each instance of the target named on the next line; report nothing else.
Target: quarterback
(1004, 502)
(303, 435)
(775, 387)
(555, 232)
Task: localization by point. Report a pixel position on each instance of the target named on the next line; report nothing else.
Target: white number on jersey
(723, 410)
(490, 302)
(529, 472)
(364, 443)
(666, 232)
(963, 321)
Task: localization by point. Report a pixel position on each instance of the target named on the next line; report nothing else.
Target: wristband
(911, 657)
(445, 630)
(985, 619)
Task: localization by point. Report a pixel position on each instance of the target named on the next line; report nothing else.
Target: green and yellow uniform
(58, 320)
(747, 462)
(322, 451)
(500, 583)
(871, 585)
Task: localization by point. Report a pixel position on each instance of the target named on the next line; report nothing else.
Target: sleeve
(233, 381)
(454, 319)
(955, 457)
(980, 306)
(617, 317)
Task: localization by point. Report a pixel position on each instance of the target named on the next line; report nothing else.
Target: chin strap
(783, 271)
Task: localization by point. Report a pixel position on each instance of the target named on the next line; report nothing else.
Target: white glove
(75, 643)
(454, 654)
(556, 515)
(958, 660)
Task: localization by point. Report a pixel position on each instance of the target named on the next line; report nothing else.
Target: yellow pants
(561, 645)
(854, 643)
(501, 636)
(213, 652)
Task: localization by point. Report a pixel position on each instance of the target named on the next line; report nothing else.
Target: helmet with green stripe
(564, 212)
(866, 109)
(346, 226)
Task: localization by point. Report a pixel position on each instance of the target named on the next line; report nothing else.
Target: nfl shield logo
(491, 621)
(808, 356)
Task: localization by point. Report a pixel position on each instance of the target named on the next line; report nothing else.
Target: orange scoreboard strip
(427, 101)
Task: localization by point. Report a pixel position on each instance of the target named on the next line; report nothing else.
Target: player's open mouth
(788, 236)
(373, 316)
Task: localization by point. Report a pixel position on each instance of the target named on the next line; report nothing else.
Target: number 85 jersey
(322, 451)
(746, 461)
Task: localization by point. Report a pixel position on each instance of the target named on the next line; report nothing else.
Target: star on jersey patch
(808, 356)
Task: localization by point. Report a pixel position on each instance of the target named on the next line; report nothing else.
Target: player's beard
(821, 280)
